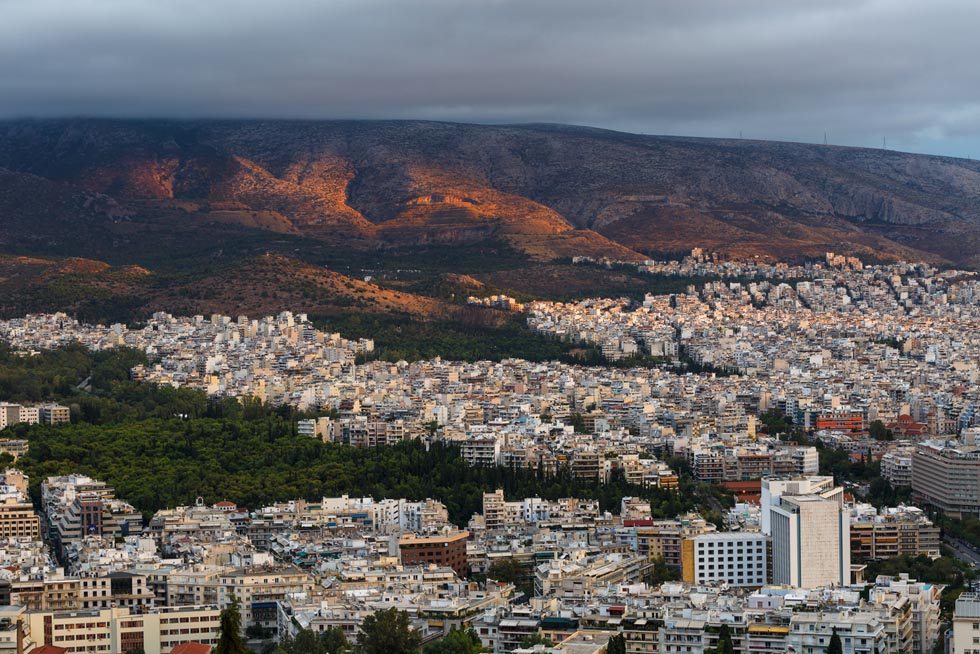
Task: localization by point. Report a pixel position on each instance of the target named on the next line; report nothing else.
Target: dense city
(772, 383)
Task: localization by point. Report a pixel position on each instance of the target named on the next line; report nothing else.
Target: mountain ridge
(548, 191)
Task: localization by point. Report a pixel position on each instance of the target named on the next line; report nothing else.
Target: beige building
(60, 593)
(966, 625)
(14, 447)
(947, 477)
(54, 414)
(11, 414)
(18, 520)
(810, 542)
(119, 630)
(256, 589)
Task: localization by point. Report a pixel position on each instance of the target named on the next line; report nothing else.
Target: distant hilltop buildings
(502, 302)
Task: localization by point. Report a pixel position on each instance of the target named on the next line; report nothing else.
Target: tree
(536, 639)
(510, 571)
(334, 641)
(835, 646)
(660, 572)
(725, 644)
(617, 645)
(387, 632)
(457, 641)
(880, 432)
(308, 642)
(230, 628)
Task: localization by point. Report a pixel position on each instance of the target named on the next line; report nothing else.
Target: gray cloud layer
(782, 69)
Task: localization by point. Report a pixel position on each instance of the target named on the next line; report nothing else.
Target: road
(962, 549)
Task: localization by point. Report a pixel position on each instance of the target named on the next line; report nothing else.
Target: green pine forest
(161, 447)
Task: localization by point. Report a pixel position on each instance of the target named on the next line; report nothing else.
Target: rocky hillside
(153, 192)
(97, 292)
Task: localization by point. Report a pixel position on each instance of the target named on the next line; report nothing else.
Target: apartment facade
(446, 550)
(734, 558)
(810, 542)
(947, 477)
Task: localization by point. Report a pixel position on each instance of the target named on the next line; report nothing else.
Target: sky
(862, 71)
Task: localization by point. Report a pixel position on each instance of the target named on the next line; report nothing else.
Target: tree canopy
(457, 641)
(161, 446)
(388, 631)
(835, 646)
(230, 638)
(331, 641)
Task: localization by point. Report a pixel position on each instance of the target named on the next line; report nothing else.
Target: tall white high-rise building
(811, 542)
(775, 487)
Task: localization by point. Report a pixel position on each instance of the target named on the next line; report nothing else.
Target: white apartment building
(923, 601)
(896, 468)
(481, 450)
(966, 625)
(735, 558)
(860, 633)
(11, 414)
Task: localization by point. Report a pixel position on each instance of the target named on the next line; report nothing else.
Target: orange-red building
(851, 423)
(449, 551)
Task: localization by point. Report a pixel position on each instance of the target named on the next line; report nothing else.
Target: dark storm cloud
(859, 70)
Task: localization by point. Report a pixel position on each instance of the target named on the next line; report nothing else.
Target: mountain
(98, 292)
(109, 188)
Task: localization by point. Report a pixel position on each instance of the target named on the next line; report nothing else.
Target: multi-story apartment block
(444, 550)
(896, 467)
(966, 625)
(920, 602)
(893, 533)
(860, 633)
(110, 630)
(57, 592)
(481, 451)
(19, 520)
(947, 476)
(14, 447)
(76, 506)
(11, 414)
(54, 414)
(734, 558)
